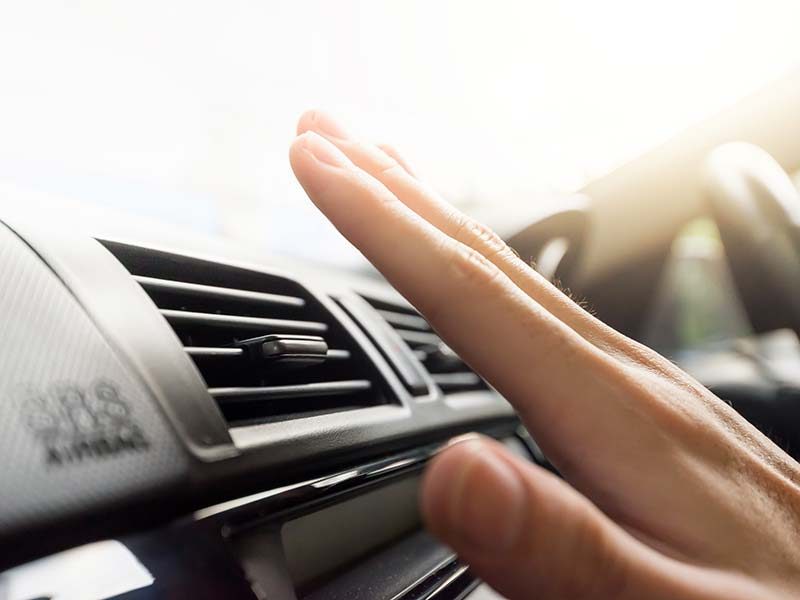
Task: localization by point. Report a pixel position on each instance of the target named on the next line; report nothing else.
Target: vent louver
(446, 368)
(266, 348)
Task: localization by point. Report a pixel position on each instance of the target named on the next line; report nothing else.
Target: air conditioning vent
(266, 348)
(446, 368)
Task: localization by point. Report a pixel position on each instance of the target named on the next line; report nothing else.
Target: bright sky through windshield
(184, 110)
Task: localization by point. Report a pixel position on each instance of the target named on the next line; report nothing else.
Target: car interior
(185, 415)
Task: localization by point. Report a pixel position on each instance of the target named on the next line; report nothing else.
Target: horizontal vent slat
(419, 337)
(279, 392)
(447, 370)
(209, 351)
(403, 320)
(456, 380)
(219, 293)
(177, 317)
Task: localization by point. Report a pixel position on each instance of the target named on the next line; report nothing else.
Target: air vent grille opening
(446, 368)
(247, 332)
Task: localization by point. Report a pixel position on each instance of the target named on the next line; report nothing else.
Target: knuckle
(465, 272)
(367, 185)
(380, 163)
(389, 149)
(383, 163)
(391, 168)
(394, 154)
(676, 414)
(469, 267)
(478, 236)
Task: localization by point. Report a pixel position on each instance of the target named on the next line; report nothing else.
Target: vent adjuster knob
(286, 349)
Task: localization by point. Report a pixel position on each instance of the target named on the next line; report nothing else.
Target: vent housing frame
(446, 369)
(212, 307)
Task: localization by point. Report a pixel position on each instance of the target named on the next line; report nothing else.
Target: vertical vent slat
(220, 312)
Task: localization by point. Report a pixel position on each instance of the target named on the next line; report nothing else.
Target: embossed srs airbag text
(77, 423)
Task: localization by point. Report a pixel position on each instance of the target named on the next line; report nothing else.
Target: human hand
(670, 493)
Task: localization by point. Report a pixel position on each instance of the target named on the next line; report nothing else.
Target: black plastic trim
(269, 453)
(413, 375)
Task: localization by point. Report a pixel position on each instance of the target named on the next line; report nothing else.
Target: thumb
(528, 534)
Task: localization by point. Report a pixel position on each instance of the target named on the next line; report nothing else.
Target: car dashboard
(181, 425)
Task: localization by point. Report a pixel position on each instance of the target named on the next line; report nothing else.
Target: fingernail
(323, 150)
(328, 125)
(486, 498)
(460, 439)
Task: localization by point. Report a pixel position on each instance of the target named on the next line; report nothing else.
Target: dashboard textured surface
(77, 430)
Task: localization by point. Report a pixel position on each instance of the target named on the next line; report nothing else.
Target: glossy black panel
(235, 550)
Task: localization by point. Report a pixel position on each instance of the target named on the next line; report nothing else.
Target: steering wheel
(757, 209)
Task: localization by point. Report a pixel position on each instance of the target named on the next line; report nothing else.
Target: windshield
(183, 111)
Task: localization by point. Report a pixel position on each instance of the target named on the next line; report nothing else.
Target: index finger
(386, 165)
(556, 379)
